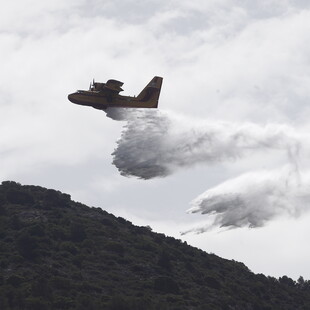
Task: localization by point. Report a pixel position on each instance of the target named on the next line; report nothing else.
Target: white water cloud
(156, 144)
(253, 199)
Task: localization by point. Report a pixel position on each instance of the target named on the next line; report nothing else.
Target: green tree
(27, 245)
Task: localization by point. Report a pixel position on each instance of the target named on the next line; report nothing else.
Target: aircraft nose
(71, 97)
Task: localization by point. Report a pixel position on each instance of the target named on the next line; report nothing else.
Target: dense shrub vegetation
(59, 254)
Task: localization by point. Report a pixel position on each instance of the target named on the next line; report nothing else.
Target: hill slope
(60, 254)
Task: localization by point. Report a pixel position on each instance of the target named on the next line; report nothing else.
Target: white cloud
(225, 62)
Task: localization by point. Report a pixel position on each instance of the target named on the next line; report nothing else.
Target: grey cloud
(129, 11)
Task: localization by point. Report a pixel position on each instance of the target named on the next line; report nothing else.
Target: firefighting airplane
(104, 95)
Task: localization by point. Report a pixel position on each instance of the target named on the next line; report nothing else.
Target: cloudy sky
(224, 163)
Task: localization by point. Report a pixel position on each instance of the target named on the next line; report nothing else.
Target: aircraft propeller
(92, 84)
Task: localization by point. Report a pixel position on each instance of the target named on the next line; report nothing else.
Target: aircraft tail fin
(150, 94)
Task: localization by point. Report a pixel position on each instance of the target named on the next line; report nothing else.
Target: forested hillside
(59, 254)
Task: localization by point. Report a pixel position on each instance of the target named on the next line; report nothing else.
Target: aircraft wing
(114, 85)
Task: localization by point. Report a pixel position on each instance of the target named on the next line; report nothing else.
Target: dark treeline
(60, 254)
